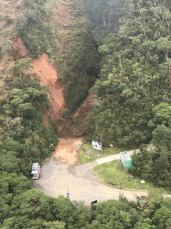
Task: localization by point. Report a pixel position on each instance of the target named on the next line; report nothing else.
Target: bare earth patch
(19, 50)
(48, 77)
(70, 126)
(47, 74)
(83, 182)
(86, 107)
(67, 151)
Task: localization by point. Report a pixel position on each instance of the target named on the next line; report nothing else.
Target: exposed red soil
(48, 77)
(67, 150)
(19, 50)
(69, 126)
(86, 107)
(44, 69)
(65, 127)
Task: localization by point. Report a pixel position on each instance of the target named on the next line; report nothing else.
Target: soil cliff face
(48, 76)
(78, 61)
(56, 36)
(76, 125)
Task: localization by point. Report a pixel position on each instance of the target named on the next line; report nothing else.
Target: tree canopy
(133, 107)
(133, 104)
(105, 16)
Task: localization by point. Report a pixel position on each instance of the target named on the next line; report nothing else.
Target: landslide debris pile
(23, 101)
(34, 32)
(61, 30)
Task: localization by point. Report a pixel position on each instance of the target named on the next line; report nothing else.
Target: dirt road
(61, 172)
(56, 178)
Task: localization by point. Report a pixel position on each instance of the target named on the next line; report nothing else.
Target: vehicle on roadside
(35, 171)
(97, 145)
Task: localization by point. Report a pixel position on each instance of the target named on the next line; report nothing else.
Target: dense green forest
(24, 138)
(105, 15)
(23, 208)
(133, 104)
(133, 107)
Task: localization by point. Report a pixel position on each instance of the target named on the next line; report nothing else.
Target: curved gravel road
(83, 182)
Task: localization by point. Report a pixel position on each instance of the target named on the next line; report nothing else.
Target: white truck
(97, 145)
(35, 171)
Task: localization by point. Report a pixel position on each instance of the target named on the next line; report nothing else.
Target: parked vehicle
(97, 145)
(35, 171)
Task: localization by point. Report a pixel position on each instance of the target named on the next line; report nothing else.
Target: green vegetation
(36, 29)
(88, 154)
(135, 77)
(86, 158)
(64, 35)
(133, 104)
(24, 139)
(133, 107)
(153, 165)
(105, 16)
(32, 209)
(113, 174)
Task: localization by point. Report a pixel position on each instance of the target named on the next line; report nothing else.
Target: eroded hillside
(56, 36)
(48, 62)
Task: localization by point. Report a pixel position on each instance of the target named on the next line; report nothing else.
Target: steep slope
(77, 124)
(47, 74)
(48, 77)
(43, 52)
(135, 74)
(134, 96)
(24, 139)
(105, 16)
(62, 32)
(29, 85)
(48, 61)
